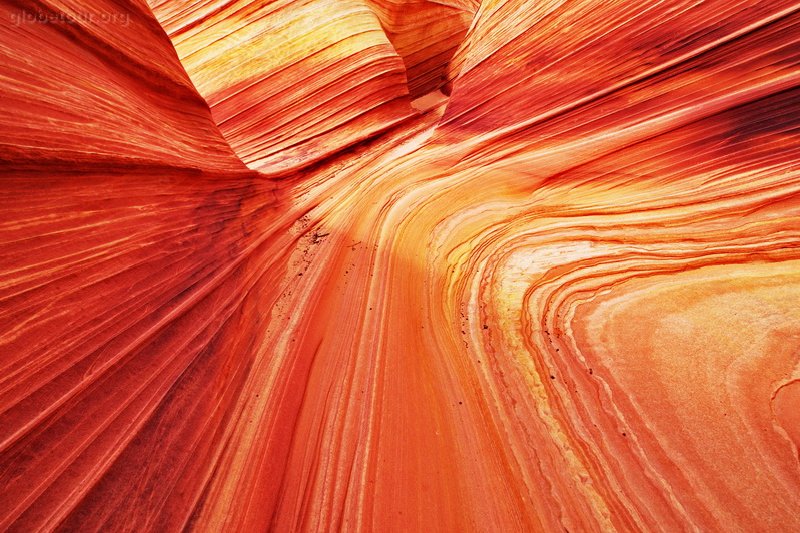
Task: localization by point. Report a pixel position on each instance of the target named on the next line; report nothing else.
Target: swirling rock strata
(565, 297)
(289, 83)
(425, 34)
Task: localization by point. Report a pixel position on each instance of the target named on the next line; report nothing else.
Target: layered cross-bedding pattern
(399, 265)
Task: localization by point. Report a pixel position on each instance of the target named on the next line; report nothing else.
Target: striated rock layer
(258, 273)
(289, 82)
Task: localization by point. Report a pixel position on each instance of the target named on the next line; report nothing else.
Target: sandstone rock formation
(394, 265)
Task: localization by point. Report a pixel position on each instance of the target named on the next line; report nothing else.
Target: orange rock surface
(391, 265)
(289, 82)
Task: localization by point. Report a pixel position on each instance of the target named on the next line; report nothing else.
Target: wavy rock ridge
(258, 273)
